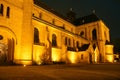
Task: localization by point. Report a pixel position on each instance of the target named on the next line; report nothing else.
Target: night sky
(107, 10)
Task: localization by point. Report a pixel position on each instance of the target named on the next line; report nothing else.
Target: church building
(33, 33)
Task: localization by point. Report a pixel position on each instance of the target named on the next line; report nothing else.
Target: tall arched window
(94, 34)
(82, 33)
(69, 42)
(36, 36)
(73, 43)
(77, 43)
(8, 12)
(1, 9)
(54, 40)
(65, 40)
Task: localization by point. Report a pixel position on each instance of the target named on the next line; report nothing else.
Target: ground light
(24, 65)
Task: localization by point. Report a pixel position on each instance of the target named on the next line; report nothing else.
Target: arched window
(94, 34)
(1, 9)
(73, 43)
(82, 33)
(36, 36)
(54, 40)
(77, 43)
(69, 42)
(8, 12)
(65, 40)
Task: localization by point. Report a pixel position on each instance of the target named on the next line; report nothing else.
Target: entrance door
(7, 51)
(10, 55)
(3, 53)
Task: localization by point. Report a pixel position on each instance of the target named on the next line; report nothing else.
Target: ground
(61, 72)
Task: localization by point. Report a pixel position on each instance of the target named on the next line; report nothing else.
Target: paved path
(61, 72)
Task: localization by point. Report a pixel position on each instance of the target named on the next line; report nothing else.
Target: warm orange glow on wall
(72, 56)
(26, 62)
(20, 31)
(109, 53)
(109, 49)
(37, 53)
(96, 54)
(56, 54)
(109, 58)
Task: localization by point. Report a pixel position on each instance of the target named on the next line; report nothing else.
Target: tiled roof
(84, 47)
(79, 21)
(86, 19)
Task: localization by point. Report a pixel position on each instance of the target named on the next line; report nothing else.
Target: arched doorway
(3, 53)
(7, 45)
(11, 48)
(6, 51)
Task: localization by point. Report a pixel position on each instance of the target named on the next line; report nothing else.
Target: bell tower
(26, 33)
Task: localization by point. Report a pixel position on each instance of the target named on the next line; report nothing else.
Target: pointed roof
(84, 47)
(86, 19)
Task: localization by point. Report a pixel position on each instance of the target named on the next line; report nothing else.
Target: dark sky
(107, 10)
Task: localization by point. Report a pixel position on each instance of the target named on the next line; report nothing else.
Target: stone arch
(8, 43)
(6, 29)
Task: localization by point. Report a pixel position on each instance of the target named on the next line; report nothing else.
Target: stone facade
(36, 34)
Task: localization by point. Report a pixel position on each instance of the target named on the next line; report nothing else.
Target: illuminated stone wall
(18, 28)
(109, 53)
(102, 33)
(11, 26)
